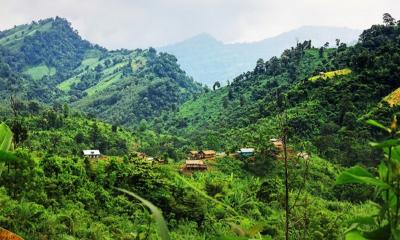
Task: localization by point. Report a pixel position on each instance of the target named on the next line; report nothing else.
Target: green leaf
(157, 214)
(4, 158)
(378, 125)
(396, 234)
(7, 156)
(382, 170)
(382, 233)
(395, 153)
(6, 136)
(358, 171)
(386, 144)
(360, 175)
(363, 220)
(354, 235)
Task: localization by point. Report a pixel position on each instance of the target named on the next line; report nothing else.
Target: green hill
(121, 86)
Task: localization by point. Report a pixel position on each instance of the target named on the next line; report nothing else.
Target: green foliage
(157, 214)
(50, 192)
(5, 137)
(384, 225)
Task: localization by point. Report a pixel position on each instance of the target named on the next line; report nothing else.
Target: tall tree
(388, 19)
(216, 85)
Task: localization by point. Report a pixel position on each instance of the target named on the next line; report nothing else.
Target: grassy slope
(15, 36)
(40, 71)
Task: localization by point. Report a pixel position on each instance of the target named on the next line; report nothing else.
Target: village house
(246, 152)
(277, 143)
(303, 155)
(193, 155)
(207, 154)
(204, 154)
(91, 153)
(195, 165)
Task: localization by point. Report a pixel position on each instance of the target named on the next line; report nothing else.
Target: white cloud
(141, 23)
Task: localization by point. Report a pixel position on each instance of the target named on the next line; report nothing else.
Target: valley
(124, 144)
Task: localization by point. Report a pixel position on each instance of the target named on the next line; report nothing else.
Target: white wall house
(91, 153)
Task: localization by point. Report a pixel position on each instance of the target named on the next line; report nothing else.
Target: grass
(66, 85)
(90, 61)
(103, 84)
(331, 74)
(393, 98)
(15, 35)
(40, 71)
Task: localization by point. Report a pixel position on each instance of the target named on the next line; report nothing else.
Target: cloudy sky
(142, 23)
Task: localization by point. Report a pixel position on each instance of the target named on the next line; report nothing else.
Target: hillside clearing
(40, 71)
(331, 74)
(393, 98)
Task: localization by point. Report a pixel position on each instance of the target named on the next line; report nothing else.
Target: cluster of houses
(95, 154)
(196, 159)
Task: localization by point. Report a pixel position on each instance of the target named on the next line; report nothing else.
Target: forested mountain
(208, 60)
(121, 86)
(324, 94)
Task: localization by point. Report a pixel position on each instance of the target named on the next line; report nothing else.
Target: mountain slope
(326, 109)
(121, 86)
(208, 60)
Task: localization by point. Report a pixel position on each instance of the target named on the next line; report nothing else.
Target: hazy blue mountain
(208, 60)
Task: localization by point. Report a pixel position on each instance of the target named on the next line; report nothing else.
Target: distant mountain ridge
(208, 60)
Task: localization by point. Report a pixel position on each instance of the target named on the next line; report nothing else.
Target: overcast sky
(142, 23)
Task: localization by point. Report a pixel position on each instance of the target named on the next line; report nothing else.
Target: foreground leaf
(370, 220)
(205, 195)
(355, 235)
(360, 175)
(378, 125)
(6, 136)
(157, 214)
(382, 233)
(385, 144)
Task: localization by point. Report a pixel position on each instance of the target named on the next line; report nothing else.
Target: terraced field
(331, 74)
(393, 98)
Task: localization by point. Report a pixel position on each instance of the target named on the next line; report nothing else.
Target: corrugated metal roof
(247, 150)
(91, 152)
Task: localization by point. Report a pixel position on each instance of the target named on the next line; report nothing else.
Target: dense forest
(321, 121)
